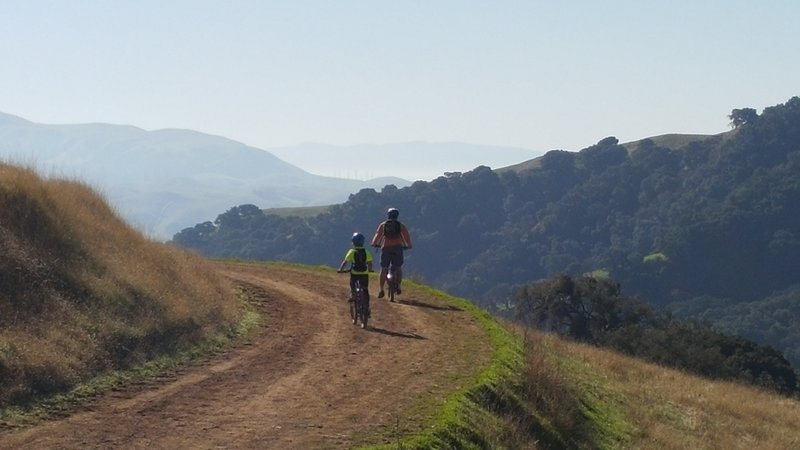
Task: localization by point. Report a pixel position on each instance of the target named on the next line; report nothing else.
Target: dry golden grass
(627, 403)
(81, 292)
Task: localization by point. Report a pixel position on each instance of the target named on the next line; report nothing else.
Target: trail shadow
(374, 329)
(417, 303)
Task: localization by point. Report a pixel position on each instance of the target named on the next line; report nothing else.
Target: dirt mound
(307, 379)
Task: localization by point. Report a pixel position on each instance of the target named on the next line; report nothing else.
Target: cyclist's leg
(398, 264)
(352, 287)
(382, 282)
(384, 272)
(364, 279)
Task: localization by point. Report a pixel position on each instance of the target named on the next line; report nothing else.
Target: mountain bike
(359, 304)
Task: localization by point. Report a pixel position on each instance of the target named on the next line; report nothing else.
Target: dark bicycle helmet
(393, 213)
(358, 239)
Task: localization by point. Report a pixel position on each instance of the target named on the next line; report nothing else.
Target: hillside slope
(82, 293)
(429, 373)
(577, 396)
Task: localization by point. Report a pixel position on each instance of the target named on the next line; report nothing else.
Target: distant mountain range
(162, 181)
(165, 180)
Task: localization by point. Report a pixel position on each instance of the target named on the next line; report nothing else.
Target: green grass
(657, 257)
(605, 424)
(467, 411)
(585, 397)
(600, 274)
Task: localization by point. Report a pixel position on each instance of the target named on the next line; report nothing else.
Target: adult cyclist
(392, 237)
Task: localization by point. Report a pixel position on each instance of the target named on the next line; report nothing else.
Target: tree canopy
(594, 310)
(742, 116)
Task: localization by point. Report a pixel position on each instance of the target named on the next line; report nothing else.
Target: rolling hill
(164, 180)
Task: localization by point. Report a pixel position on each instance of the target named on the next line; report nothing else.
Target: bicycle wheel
(353, 302)
(363, 308)
(392, 279)
(353, 311)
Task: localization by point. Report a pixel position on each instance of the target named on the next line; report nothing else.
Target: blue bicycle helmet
(392, 213)
(358, 239)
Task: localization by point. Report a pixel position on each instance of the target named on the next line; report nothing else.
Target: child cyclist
(360, 260)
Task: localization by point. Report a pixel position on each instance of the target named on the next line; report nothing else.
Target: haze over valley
(165, 180)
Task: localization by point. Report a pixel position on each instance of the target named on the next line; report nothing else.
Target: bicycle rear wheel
(392, 282)
(363, 308)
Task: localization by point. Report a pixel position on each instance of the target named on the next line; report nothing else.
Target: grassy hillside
(593, 398)
(82, 293)
(576, 396)
(541, 391)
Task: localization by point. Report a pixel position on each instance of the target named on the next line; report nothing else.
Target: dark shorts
(392, 255)
(364, 282)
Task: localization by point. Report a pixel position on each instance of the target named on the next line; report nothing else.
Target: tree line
(595, 311)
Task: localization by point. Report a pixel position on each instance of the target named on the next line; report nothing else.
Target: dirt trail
(308, 379)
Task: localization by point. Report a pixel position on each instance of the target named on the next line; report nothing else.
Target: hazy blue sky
(533, 74)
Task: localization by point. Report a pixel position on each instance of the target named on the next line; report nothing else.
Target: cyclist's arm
(406, 236)
(376, 240)
(369, 261)
(347, 258)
